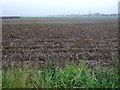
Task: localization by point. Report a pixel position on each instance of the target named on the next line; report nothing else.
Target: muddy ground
(74, 42)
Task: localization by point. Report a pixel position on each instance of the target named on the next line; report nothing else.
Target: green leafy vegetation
(72, 76)
(0, 79)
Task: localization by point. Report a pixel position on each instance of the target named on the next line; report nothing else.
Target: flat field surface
(93, 40)
(61, 20)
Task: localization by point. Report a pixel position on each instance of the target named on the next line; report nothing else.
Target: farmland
(65, 40)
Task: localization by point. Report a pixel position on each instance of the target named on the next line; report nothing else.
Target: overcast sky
(57, 7)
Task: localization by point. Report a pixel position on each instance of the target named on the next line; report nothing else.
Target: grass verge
(72, 76)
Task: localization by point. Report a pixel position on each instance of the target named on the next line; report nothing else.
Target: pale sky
(57, 7)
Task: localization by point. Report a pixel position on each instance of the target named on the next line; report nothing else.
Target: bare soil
(36, 43)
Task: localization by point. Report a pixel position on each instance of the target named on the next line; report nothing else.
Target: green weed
(72, 76)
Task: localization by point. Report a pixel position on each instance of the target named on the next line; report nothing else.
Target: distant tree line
(10, 17)
(90, 14)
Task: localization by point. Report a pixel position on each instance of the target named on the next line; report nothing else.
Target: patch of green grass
(0, 79)
(72, 76)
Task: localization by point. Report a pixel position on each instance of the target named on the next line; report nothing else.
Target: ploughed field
(93, 43)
